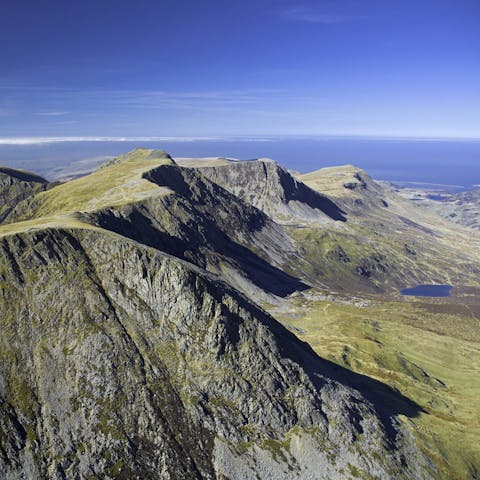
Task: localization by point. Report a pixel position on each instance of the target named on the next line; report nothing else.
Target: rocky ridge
(129, 363)
(266, 185)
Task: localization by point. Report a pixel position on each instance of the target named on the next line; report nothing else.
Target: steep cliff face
(272, 189)
(206, 225)
(16, 186)
(119, 361)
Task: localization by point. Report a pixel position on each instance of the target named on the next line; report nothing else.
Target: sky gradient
(106, 68)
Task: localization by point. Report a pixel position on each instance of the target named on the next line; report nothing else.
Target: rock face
(206, 225)
(16, 186)
(269, 187)
(120, 361)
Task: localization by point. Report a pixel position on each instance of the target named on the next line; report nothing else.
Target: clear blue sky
(228, 67)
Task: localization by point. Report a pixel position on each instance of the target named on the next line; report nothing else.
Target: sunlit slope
(117, 182)
(347, 183)
(387, 242)
(427, 349)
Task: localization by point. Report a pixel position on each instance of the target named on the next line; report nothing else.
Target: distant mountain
(462, 208)
(350, 186)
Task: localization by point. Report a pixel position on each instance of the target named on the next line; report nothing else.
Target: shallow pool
(428, 291)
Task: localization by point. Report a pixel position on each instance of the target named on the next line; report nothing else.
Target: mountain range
(222, 319)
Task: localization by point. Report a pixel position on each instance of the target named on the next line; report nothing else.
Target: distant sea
(453, 163)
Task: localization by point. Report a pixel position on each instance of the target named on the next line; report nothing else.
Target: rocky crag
(15, 186)
(119, 361)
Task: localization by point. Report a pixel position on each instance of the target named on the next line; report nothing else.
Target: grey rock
(120, 361)
(272, 189)
(16, 186)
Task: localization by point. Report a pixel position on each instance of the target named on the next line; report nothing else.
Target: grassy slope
(430, 356)
(428, 349)
(56, 221)
(117, 183)
(411, 243)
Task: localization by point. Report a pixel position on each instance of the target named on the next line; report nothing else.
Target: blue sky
(231, 68)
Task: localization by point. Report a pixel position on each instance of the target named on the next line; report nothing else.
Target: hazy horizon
(446, 162)
(245, 138)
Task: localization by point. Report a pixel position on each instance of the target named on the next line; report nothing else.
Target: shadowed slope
(154, 353)
(145, 196)
(16, 186)
(23, 175)
(273, 190)
(206, 225)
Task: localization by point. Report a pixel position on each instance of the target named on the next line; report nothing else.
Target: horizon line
(19, 141)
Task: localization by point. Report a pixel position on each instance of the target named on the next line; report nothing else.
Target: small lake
(428, 291)
(437, 198)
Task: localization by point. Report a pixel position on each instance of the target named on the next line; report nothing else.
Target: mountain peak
(138, 155)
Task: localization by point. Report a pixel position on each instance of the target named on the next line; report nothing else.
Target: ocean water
(445, 162)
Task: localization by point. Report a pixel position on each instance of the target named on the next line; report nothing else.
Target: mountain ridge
(117, 295)
(148, 289)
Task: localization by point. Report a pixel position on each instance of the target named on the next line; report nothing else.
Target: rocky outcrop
(16, 186)
(119, 361)
(269, 187)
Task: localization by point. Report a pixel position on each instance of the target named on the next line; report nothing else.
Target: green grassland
(429, 350)
(55, 221)
(116, 183)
